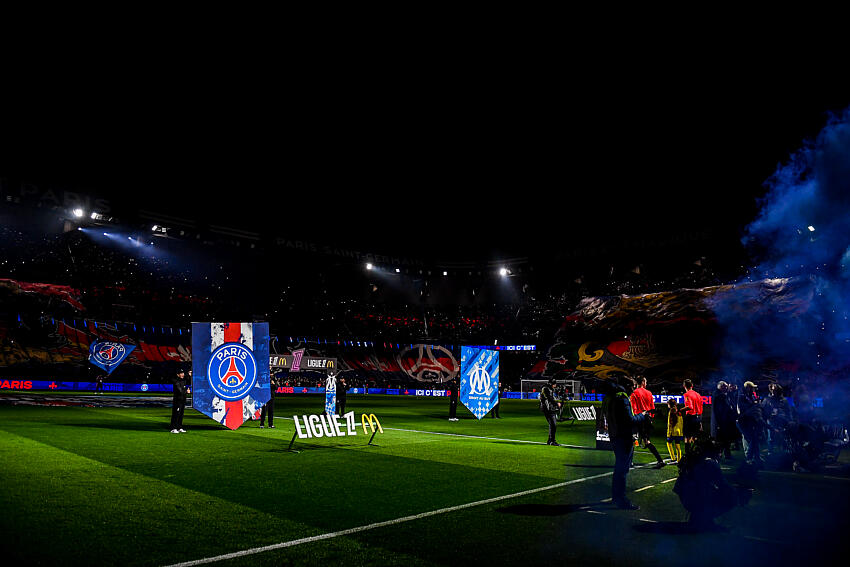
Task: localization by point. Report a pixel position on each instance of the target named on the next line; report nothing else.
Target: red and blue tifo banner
(107, 355)
(230, 370)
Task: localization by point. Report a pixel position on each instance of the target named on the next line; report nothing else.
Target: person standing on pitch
(622, 422)
(178, 402)
(494, 413)
(341, 389)
(453, 400)
(550, 408)
(268, 409)
(642, 401)
(724, 415)
(751, 424)
(693, 412)
(675, 434)
(98, 381)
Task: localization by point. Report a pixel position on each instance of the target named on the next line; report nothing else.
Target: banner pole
(374, 432)
(291, 441)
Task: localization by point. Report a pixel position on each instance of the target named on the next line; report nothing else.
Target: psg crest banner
(109, 354)
(230, 370)
(479, 379)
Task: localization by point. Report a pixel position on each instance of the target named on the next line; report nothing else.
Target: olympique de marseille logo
(479, 381)
(232, 371)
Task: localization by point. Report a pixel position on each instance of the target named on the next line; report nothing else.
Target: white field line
(376, 525)
(646, 488)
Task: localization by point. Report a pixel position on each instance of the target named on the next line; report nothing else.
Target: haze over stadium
(692, 230)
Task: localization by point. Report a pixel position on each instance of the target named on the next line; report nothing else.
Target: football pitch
(96, 484)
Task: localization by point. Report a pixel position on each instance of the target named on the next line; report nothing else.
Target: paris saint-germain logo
(107, 353)
(232, 371)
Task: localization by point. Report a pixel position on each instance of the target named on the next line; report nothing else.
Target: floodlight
(78, 213)
(811, 228)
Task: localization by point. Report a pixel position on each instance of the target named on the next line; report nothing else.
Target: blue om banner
(109, 354)
(230, 370)
(479, 379)
(330, 395)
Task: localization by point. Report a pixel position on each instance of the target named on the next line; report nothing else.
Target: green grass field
(104, 485)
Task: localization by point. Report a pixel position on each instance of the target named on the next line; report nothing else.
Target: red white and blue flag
(230, 370)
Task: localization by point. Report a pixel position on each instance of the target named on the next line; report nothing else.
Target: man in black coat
(178, 402)
(268, 409)
(724, 415)
(622, 424)
(341, 390)
(453, 400)
(751, 424)
(550, 408)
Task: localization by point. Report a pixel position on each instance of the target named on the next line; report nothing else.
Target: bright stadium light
(79, 213)
(369, 266)
(154, 227)
(397, 270)
(503, 272)
(811, 228)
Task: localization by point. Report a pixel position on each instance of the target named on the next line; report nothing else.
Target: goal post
(532, 386)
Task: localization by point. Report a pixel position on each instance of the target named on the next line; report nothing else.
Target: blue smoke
(789, 318)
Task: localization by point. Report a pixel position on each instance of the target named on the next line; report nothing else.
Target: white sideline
(359, 529)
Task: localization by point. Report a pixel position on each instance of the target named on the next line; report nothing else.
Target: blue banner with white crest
(479, 379)
(109, 354)
(330, 395)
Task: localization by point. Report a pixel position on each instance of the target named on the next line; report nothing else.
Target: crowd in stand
(171, 283)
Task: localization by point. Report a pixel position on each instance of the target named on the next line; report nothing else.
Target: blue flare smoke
(794, 317)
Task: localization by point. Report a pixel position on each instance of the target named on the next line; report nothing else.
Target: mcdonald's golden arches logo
(372, 421)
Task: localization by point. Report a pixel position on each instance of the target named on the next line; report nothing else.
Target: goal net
(534, 386)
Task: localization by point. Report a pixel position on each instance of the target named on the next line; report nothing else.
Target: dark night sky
(477, 166)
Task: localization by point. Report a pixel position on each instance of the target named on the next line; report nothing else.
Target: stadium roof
(482, 173)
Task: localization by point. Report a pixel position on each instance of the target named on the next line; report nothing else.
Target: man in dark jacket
(341, 390)
(550, 408)
(723, 417)
(751, 424)
(268, 409)
(178, 402)
(453, 400)
(622, 424)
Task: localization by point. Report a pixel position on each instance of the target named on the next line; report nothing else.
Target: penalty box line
(384, 524)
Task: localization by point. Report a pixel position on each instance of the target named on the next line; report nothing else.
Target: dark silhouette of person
(550, 408)
(622, 423)
(453, 400)
(341, 392)
(494, 413)
(178, 402)
(268, 409)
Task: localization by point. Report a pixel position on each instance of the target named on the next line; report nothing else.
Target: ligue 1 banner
(479, 379)
(108, 355)
(230, 370)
